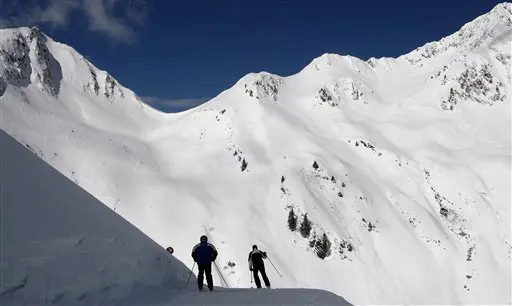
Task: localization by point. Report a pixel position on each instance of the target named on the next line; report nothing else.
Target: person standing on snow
(204, 253)
(256, 265)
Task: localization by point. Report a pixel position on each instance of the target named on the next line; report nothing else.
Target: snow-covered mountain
(73, 250)
(403, 164)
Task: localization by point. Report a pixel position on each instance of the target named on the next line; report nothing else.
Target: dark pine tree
(244, 164)
(323, 247)
(292, 220)
(305, 227)
(315, 165)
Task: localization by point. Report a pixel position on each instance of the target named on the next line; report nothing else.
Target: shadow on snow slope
(60, 245)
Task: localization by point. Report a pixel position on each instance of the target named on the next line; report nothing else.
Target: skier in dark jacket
(204, 253)
(256, 265)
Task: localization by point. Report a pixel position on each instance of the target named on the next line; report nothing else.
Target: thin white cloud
(57, 13)
(100, 14)
(112, 18)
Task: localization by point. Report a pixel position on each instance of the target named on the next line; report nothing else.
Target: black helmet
(203, 238)
(254, 247)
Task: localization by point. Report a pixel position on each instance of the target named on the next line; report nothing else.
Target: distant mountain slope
(402, 165)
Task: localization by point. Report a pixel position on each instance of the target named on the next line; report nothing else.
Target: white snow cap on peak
(327, 59)
(254, 76)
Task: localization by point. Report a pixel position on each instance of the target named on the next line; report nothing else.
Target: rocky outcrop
(264, 85)
(475, 83)
(26, 58)
(15, 61)
(112, 88)
(49, 72)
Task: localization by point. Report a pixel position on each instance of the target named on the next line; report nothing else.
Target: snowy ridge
(471, 36)
(403, 168)
(29, 59)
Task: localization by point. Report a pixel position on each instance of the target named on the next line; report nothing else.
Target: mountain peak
(327, 60)
(27, 59)
(474, 34)
(36, 33)
(502, 9)
(29, 56)
(261, 85)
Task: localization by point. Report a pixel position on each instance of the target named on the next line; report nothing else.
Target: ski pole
(222, 277)
(190, 275)
(274, 267)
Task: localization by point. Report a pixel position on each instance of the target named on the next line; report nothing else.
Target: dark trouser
(205, 268)
(263, 274)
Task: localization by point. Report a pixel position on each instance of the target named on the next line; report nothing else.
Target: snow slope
(70, 249)
(61, 245)
(412, 184)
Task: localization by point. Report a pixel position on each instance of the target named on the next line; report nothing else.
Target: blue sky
(178, 53)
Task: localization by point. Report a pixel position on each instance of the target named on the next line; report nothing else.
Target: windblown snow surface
(404, 163)
(60, 245)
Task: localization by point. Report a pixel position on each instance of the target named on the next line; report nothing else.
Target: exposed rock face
(48, 70)
(27, 56)
(15, 67)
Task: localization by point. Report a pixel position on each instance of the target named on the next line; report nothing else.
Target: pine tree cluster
(323, 246)
(292, 220)
(305, 226)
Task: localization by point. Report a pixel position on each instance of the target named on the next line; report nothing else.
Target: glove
(250, 269)
(265, 253)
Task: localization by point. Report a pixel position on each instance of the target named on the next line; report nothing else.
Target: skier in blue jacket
(204, 253)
